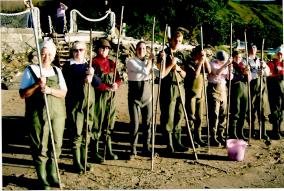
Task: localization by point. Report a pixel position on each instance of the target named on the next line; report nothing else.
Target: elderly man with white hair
(217, 97)
(35, 83)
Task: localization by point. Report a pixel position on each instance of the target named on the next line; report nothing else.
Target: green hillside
(259, 20)
(264, 20)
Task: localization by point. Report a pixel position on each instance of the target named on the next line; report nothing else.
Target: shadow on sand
(15, 141)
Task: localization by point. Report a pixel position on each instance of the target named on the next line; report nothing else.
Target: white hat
(50, 46)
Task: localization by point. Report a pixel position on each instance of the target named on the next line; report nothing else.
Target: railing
(110, 30)
(36, 21)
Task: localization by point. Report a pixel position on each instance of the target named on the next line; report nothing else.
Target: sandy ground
(263, 166)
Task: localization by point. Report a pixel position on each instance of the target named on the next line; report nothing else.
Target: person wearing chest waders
(275, 85)
(217, 97)
(239, 97)
(105, 111)
(140, 97)
(170, 98)
(194, 91)
(259, 71)
(78, 76)
(34, 85)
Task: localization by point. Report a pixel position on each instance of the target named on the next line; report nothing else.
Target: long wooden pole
(186, 117)
(229, 83)
(153, 102)
(88, 105)
(249, 96)
(160, 76)
(158, 91)
(45, 97)
(114, 76)
(118, 43)
(260, 91)
(205, 94)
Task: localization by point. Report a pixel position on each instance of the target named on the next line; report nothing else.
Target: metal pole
(205, 94)
(153, 102)
(229, 84)
(114, 76)
(88, 109)
(260, 91)
(249, 96)
(45, 98)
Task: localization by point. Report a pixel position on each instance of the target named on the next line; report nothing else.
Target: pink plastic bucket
(236, 149)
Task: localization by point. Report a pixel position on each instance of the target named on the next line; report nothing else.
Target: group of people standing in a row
(74, 105)
(91, 86)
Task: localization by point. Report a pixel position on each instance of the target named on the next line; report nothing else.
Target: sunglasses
(78, 50)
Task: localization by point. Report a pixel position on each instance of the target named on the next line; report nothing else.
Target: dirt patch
(263, 166)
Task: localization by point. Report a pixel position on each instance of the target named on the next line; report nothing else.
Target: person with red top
(104, 108)
(275, 86)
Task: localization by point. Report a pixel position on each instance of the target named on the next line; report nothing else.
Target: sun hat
(102, 43)
(49, 45)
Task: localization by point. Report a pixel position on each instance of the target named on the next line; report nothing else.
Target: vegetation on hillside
(260, 20)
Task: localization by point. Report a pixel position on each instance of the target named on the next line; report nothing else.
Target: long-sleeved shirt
(137, 70)
(220, 78)
(238, 71)
(276, 68)
(105, 66)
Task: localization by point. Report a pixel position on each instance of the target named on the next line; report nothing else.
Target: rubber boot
(146, 143)
(42, 177)
(133, 152)
(110, 154)
(170, 146)
(77, 161)
(221, 136)
(213, 139)
(241, 134)
(52, 174)
(196, 145)
(275, 131)
(233, 132)
(83, 157)
(97, 157)
(178, 146)
(265, 137)
(279, 128)
(197, 137)
(253, 132)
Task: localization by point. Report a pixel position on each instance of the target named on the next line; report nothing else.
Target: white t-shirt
(28, 80)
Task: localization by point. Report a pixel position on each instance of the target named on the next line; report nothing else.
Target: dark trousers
(238, 104)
